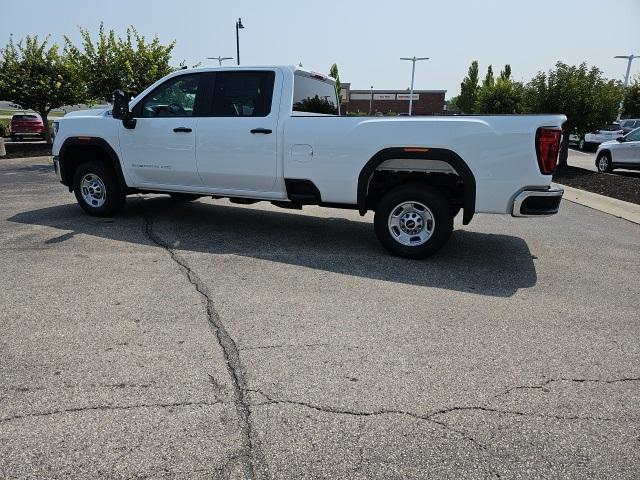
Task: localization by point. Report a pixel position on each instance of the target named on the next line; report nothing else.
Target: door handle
(182, 129)
(266, 131)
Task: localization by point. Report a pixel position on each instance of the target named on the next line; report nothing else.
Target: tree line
(584, 95)
(40, 76)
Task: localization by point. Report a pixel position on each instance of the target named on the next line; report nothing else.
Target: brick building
(425, 102)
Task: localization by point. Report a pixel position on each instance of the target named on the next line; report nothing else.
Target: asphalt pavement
(212, 340)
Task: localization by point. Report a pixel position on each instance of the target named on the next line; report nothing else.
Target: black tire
(603, 163)
(114, 197)
(14, 138)
(184, 197)
(455, 211)
(441, 220)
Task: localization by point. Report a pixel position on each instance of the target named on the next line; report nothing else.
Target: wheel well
(75, 153)
(450, 185)
(457, 185)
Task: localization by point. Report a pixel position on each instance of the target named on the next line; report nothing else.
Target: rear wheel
(14, 138)
(184, 197)
(603, 163)
(413, 221)
(97, 189)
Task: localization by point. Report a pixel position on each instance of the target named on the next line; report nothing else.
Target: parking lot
(211, 340)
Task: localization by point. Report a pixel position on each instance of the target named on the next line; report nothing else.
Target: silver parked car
(621, 153)
(629, 124)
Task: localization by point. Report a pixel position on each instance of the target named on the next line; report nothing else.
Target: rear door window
(242, 94)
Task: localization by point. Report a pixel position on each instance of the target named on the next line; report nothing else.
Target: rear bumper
(537, 203)
(27, 131)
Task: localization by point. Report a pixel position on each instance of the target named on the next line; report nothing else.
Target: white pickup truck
(276, 134)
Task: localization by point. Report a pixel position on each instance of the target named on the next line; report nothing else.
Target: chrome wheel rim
(94, 193)
(411, 223)
(603, 164)
(581, 145)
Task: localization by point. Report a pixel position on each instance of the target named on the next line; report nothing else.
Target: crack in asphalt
(541, 386)
(252, 456)
(428, 418)
(106, 407)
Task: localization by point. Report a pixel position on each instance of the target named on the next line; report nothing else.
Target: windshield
(314, 95)
(25, 117)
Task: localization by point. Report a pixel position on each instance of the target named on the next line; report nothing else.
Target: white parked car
(605, 134)
(274, 134)
(621, 153)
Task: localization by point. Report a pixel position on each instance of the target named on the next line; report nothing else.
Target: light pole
(413, 74)
(238, 27)
(371, 101)
(626, 76)
(220, 59)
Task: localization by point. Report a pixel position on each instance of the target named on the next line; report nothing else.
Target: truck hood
(94, 112)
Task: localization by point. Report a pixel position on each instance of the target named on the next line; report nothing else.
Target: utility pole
(371, 102)
(626, 76)
(413, 60)
(238, 27)
(220, 59)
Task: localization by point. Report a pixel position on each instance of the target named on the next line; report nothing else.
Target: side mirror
(121, 109)
(620, 139)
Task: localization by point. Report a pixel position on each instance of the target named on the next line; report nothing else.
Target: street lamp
(371, 101)
(413, 74)
(238, 27)
(626, 76)
(220, 59)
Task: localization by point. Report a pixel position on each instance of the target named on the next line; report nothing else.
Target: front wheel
(97, 189)
(582, 144)
(413, 221)
(603, 163)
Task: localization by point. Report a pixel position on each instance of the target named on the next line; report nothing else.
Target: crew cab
(275, 134)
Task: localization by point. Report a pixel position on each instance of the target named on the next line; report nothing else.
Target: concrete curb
(612, 206)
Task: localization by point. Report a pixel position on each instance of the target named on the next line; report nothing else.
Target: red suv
(26, 125)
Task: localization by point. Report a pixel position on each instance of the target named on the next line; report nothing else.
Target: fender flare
(444, 155)
(81, 141)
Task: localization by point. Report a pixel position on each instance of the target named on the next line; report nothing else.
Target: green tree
(489, 80)
(466, 101)
(631, 108)
(333, 73)
(37, 76)
(585, 96)
(506, 73)
(504, 96)
(110, 62)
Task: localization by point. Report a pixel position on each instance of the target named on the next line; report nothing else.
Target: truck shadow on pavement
(480, 263)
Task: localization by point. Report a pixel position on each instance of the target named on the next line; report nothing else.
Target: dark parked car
(26, 125)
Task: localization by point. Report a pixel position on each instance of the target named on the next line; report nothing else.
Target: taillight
(547, 148)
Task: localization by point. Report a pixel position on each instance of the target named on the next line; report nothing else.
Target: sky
(365, 39)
